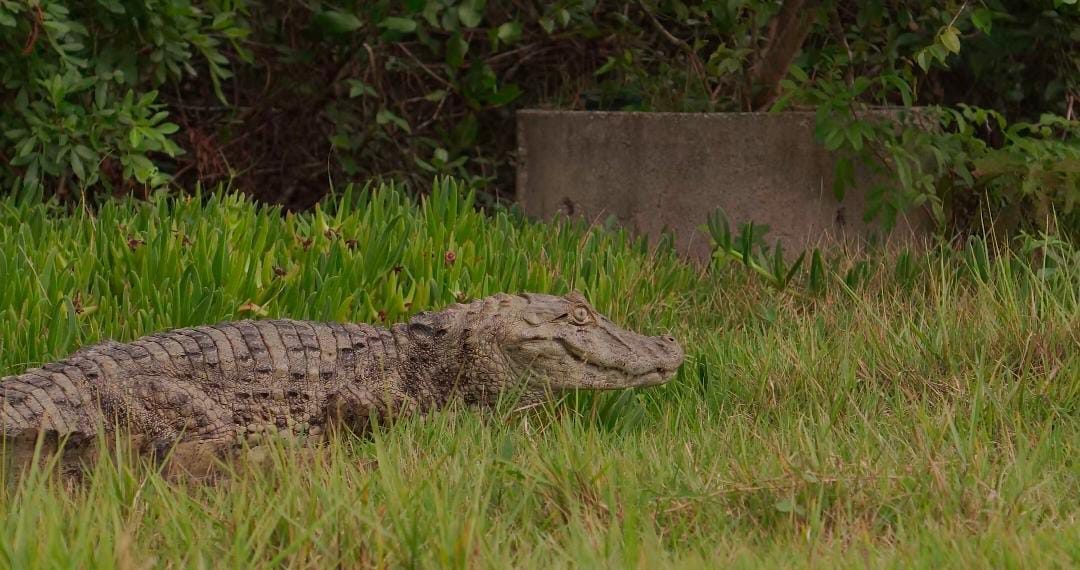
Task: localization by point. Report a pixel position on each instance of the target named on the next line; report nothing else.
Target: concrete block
(670, 170)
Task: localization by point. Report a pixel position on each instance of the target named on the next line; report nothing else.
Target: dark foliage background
(278, 98)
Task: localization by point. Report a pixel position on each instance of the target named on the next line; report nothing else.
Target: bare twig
(957, 14)
(426, 68)
(512, 70)
(512, 53)
(35, 30)
(434, 116)
(695, 62)
(681, 44)
(838, 30)
(372, 68)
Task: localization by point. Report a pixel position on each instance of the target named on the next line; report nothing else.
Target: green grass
(927, 421)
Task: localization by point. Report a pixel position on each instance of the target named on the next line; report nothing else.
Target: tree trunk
(787, 32)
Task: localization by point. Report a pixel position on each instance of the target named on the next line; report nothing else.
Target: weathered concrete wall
(657, 170)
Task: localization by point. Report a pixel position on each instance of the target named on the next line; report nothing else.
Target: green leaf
(798, 73)
(386, 116)
(504, 95)
(900, 85)
(606, 67)
(506, 448)
(817, 281)
(84, 152)
(336, 23)
(563, 16)
(833, 139)
(855, 137)
(788, 506)
(61, 28)
(982, 19)
(842, 177)
(26, 147)
(469, 16)
(77, 166)
(480, 83)
(456, 48)
(113, 6)
(403, 25)
(923, 59)
(358, 88)
(424, 165)
(781, 103)
(101, 95)
(449, 21)
(465, 132)
(430, 12)
(141, 167)
(510, 32)
(794, 267)
(339, 140)
(938, 52)
(950, 38)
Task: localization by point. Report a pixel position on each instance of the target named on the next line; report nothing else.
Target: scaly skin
(200, 392)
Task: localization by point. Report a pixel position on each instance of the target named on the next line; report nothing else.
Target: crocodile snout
(660, 357)
(670, 354)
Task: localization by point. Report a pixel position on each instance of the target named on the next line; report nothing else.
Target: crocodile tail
(10, 423)
(33, 402)
(31, 420)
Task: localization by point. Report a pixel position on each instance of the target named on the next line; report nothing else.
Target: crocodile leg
(356, 408)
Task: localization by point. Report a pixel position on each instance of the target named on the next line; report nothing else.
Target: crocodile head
(536, 343)
(560, 343)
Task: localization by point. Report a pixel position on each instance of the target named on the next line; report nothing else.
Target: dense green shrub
(276, 96)
(1025, 176)
(80, 105)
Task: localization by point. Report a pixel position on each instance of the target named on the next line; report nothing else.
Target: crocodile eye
(580, 315)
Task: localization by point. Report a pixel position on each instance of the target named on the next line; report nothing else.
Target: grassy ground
(924, 419)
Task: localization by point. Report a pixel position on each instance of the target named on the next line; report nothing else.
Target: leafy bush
(81, 106)
(967, 166)
(274, 96)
